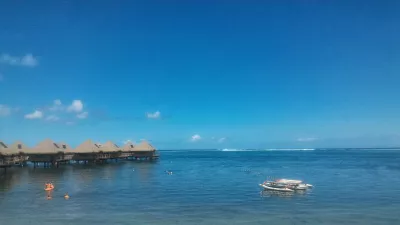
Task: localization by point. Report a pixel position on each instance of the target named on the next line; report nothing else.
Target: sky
(201, 74)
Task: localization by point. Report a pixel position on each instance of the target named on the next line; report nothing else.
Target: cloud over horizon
(5, 110)
(76, 106)
(155, 115)
(59, 112)
(57, 105)
(82, 115)
(307, 139)
(34, 115)
(195, 138)
(52, 118)
(28, 60)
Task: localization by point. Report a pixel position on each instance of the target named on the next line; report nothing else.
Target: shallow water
(210, 187)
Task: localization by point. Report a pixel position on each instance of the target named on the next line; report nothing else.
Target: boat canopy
(286, 181)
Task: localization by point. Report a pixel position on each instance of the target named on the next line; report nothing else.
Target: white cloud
(5, 110)
(27, 60)
(35, 115)
(52, 118)
(76, 106)
(57, 102)
(82, 115)
(307, 139)
(7, 59)
(57, 105)
(154, 115)
(221, 139)
(195, 138)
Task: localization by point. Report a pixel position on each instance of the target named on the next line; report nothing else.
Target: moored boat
(285, 185)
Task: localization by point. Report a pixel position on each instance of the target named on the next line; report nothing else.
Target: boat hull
(275, 188)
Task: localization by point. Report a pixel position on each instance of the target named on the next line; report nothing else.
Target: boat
(271, 188)
(285, 185)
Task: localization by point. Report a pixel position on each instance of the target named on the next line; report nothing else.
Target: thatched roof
(109, 146)
(18, 147)
(143, 146)
(5, 150)
(3, 144)
(47, 146)
(128, 146)
(87, 147)
(65, 147)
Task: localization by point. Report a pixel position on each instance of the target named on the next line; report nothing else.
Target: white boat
(266, 187)
(285, 185)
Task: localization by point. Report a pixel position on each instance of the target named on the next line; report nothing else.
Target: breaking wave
(290, 149)
(237, 150)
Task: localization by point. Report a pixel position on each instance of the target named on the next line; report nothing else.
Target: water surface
(210, 187)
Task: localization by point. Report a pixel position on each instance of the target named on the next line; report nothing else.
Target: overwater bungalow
(127, 149)
(4, 157)
(88, 151)
(18, 150)
(9, 156)
(112, 149)
(66, 148)
(47, 152)
(144, 150)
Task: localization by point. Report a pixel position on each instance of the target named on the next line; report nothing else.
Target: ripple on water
(210, 187)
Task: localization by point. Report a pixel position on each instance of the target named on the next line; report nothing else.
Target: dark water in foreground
(210, 187)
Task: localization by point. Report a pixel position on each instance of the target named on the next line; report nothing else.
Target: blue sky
(201, 74)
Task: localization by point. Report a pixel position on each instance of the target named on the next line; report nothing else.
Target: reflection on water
(49, 195)
(270, 193)
(10, 179)
(76, 177)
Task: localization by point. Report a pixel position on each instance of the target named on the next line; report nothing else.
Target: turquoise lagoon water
(210, 187)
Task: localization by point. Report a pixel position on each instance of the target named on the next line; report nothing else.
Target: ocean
(210, 187)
